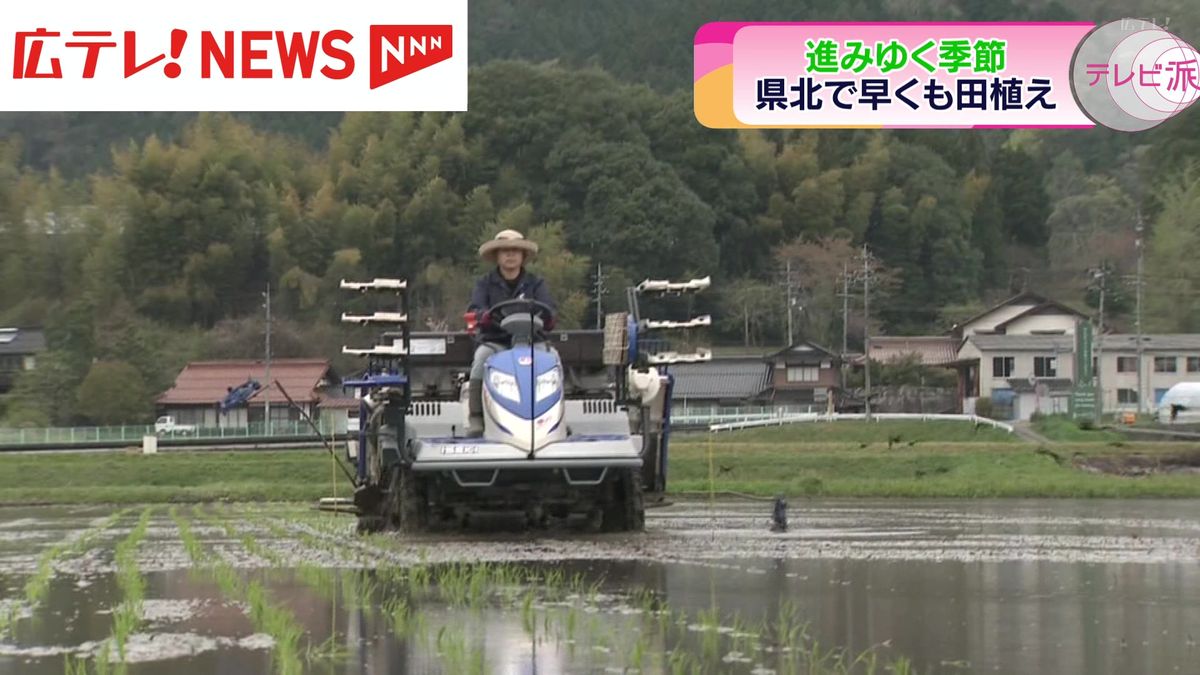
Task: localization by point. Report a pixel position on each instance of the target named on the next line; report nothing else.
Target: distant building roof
(1024, 297)
(1036, 304)
(722, 378)
(803, 349)
(1042, 308)
(1127, 342)
(933, 350)
(1114, 342)
(1023, 343)
(22, 340)
(329, 403)
(207, 382)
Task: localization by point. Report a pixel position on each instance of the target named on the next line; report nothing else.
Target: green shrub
(983, 407)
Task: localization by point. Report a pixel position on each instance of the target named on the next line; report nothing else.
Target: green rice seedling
(788, 629)
(869, 660)
(279, 623)
(639, 651)
(362, 588)
(449, 583)
(420, 627)
(680, 662)
(321, 579)
(527, 615)
(124, 624)
(553, 583)
(455, 654)
(759, 632)
(227, 579)
(73, 665)
(39, 583)
(255, 548)
(663, 618)
(419, 578)
(102, 659)
(277, 530)
(709, 622)
(274, 620)
(572, 620)
(190, 543)
(478, 584)
(575, 584)
(901, 666)
(127, 616)
(399, 614)
(330, 650)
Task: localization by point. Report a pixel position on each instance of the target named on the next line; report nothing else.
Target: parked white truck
(167, 425)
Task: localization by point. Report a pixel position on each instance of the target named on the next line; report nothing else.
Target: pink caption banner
(984, 75)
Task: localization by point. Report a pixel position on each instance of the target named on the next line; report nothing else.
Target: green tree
(114, 393)
(45, 396)
(565, 273)
(1172, 292)
(1021, 180)
(752, 308)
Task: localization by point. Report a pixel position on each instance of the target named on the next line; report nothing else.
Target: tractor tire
(407, 503)
(626, 507)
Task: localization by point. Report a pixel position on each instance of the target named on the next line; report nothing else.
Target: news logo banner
(887, 75)
(134, 55)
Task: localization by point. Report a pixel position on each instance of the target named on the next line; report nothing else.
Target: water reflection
(947, 616)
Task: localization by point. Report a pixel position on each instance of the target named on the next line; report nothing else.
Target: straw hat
(508, 239)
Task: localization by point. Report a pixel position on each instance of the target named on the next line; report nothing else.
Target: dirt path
(1026, 432)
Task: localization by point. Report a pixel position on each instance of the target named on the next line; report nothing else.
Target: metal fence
(133, 433)
(703, 416)
(875, 417)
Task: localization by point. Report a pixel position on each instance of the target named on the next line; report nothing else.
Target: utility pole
(599, 295)
(1100, 351)
(788, 280)
(867, 330)
(845, 318)
(1138, 320)
(267, 386)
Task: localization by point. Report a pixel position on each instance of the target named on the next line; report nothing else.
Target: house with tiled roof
(201, 386)
(724, 381)
(804, 372)
(929, 350)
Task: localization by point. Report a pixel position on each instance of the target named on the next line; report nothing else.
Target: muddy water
(1040, 586)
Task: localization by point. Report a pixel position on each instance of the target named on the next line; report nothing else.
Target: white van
(1181, 404)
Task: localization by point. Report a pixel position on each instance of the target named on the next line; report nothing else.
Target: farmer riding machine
(576, 422)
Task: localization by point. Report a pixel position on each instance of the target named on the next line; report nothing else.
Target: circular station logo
(1131, 75)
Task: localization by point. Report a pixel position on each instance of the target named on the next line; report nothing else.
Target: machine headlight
(505, 385)
(547, 384)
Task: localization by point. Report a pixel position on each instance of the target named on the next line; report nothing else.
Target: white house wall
(1151, 381)
(1023, 368)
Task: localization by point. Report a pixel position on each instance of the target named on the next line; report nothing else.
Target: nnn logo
(397, 51)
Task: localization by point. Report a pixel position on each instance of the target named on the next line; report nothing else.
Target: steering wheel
(523, 302)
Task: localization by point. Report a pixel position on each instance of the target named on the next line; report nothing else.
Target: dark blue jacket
(491, 289)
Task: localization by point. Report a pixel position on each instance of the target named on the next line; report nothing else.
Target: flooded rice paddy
(1037, 586)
